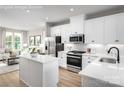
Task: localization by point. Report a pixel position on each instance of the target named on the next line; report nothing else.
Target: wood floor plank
(69, 79)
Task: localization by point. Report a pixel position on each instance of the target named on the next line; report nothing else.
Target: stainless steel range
(74, 60)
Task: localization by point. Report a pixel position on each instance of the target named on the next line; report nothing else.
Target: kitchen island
(39, 71)
(102, 74)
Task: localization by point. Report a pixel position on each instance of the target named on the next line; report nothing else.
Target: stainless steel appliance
(74, 60)
(59, 45)
(53, 45)
(50, 46)
(77, 38)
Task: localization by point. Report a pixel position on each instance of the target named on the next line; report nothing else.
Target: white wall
(38, 31)
(72, 46)
(0, 39)
(25, 37)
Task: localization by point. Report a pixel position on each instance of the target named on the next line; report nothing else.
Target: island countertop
(40, 58)
(112, 73)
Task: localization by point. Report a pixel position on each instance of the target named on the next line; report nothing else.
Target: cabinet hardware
(92, 41)
(116, 40)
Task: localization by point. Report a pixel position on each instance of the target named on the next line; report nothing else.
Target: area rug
(4, 68)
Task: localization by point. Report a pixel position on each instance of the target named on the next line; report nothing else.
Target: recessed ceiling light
(27, 11)
(71, 9)
(46, 18)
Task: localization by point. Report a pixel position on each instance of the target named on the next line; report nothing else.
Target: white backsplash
(97, 48)
(69, 47)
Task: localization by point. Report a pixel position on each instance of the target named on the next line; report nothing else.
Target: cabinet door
(110, 29)
(88, 31)
(98, 30)
(62, 59)
(77, 24)
(120, 28)
(55, 31)
(94, 30)
(65, 30)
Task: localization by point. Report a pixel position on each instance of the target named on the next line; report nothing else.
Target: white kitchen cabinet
(63, 31)
(114, 29)
(120, 28)
(86, 60)
(62, 59)
(110, 29)
(94, 30)
(107, 30)
(77, 24)
(55, 31)
(88, 31)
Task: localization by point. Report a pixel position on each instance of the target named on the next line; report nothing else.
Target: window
(9, 41)
(17, 40)
(13, 40)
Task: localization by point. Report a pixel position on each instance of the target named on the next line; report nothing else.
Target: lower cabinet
(62, 59)
(87, 59)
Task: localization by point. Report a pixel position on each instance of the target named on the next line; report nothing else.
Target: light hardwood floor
(11, 80)
(69, 79)
(66, 79)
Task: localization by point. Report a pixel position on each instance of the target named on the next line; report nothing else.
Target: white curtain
(3, 37)
(24, 37)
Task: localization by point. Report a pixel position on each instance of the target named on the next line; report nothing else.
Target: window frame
(13, 40)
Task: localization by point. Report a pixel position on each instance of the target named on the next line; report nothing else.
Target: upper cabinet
(94, 30)
(77, 24)
(114, 29)
(110, 29)
(55, 31)
(106, 30)
(120, 28)
(61, 30)
(65, 33)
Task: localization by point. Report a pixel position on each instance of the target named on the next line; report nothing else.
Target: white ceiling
(16, 16)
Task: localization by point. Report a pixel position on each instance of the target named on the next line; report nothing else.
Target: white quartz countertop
(40, 58)
(112, 73)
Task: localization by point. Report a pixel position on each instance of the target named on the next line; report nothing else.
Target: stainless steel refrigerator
(53, 45)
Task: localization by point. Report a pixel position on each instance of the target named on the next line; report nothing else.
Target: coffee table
(12, 60)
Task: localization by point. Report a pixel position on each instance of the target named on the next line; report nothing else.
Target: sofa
(7, 55)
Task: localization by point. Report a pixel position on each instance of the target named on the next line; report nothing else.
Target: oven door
(74, 61)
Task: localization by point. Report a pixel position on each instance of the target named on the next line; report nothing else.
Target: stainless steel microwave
(77, 38)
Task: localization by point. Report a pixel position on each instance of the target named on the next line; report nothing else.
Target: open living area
(61, 45)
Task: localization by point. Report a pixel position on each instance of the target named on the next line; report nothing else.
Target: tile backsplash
(97, 48)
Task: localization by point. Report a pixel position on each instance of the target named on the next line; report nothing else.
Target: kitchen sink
(108, 60)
